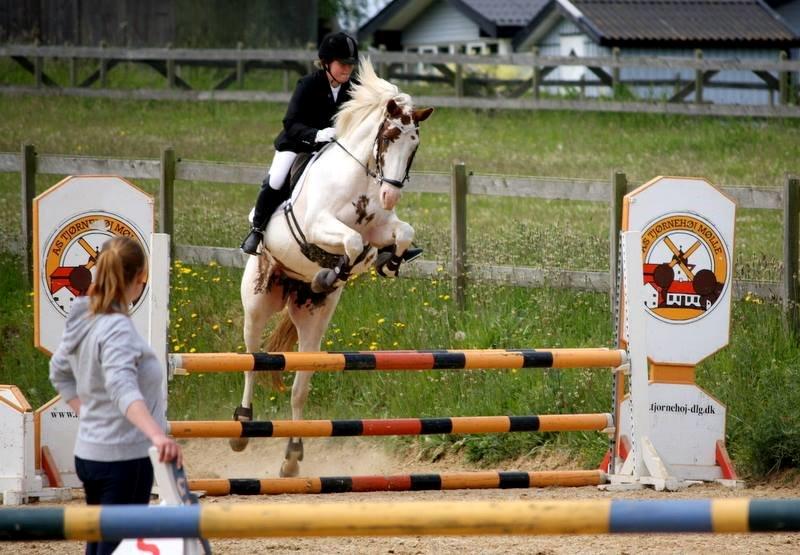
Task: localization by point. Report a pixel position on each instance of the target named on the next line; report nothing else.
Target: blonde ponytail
(120, 261)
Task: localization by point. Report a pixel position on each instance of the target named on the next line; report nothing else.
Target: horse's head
(395, 146)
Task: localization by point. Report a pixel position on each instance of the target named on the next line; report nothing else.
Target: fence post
(73, 72)
(783, 81)
(38, 61)
(458, 80)
(28, 185)
(698, 79)
(615, 84)
(619, 186)
(166, 194)
(458, 233)
(791, 223)
(382, 67)
(170, 63)
(103, 67)
(240, 66)
(537, 73)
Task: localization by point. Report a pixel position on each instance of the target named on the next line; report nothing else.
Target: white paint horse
(340, 213)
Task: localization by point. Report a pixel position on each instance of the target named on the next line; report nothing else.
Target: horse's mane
(368, 98)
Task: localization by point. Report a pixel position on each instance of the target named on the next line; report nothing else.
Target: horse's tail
(283, 338)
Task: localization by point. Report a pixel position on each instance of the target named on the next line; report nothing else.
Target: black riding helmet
(340, 47)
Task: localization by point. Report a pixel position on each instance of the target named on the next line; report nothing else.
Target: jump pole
(393, 426)
(326, 361)
(401, 482)
(613, 516)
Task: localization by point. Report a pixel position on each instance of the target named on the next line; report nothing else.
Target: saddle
(298, 166)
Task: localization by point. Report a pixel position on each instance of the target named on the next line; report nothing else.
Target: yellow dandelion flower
(381, 320)
(192, 350)
(215, 280)
(194, 315)
(328, 343)
(215, 327)
(425, 303)
(445, 297)
(395, 344)
(186, 270)
(212, 264)
(229, 321)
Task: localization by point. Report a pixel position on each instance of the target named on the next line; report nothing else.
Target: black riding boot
(268, 200)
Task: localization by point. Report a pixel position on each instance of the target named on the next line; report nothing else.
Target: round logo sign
(70, 255)
(686, 267)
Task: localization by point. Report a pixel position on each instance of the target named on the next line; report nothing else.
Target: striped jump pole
(393, 426)
(325, 361)
(598, 516)
(402, 482)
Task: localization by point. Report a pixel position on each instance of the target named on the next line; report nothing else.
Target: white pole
(158, 319)
(636, 321)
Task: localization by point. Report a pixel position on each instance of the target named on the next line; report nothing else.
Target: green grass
(755, 376)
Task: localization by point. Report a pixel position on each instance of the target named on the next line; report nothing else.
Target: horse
(339, 220)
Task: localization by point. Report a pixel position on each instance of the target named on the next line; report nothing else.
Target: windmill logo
(70, 255)
(686, 267)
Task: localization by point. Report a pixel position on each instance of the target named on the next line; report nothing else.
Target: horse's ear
(393, 109)
(422, 115)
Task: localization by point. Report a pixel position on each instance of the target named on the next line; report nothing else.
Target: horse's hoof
(324, 281)
(388, 264)
(241, 414)
(238, 444)
(290, 469)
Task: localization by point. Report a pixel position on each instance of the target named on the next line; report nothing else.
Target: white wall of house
(440, 24)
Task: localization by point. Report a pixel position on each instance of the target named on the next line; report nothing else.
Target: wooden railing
(457, 184)
(773, 76)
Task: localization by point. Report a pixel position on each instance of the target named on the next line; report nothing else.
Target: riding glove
(325, 135)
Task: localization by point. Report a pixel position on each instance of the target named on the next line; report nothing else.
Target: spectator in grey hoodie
(111, 378)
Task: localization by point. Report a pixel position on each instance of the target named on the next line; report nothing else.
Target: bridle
(377, 173)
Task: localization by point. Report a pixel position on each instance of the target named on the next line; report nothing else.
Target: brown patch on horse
(387, 136)
(422, 114)
(361, 209)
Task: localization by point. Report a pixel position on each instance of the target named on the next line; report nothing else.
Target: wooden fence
(774, 76)
(169, 170)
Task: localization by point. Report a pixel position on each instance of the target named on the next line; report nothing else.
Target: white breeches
(280, 167)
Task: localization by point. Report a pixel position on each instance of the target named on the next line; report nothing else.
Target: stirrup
(252, 241)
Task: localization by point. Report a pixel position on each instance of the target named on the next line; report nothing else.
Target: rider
(307, 126)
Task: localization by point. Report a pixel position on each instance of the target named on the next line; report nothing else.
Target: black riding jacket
(311, 108)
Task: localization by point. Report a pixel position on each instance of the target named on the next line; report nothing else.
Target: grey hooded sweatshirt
(104, 362)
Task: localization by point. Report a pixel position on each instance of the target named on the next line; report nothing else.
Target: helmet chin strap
(328, 71)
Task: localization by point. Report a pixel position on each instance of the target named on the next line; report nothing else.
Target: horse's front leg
(327, 232)
(311, 323)
(397, 234)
